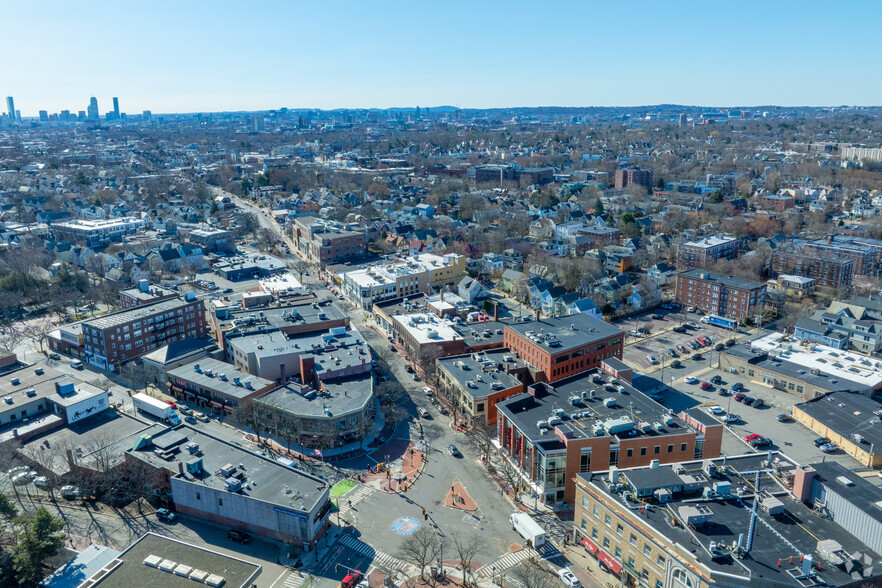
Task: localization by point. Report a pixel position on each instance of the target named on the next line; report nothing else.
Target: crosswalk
(295, 580)
(509, 560)
(352, 498)
(378, 558)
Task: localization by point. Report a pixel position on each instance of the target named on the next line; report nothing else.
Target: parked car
(427, 390)
(164, 514)
(826, 448)
(691, 380)
(757, 403)
(751, 437)
(70, 492)
(415, 377)
(722, 392)
(716, 379)
(738, 397)
(202, 417)
(568, 578)
(352, 578)
(407, 368)
(681, 349)
(730, 418)
(679, 329)
(657, 317)
(23, 478)
(672, 352)
(441, 408)
(820, 441)
(651, 359)
(423, 412)
(697, 356)
(705, 386)
(719, 347)
(716, 410)
(54, 356)
(730, 342)
(41, 482)
(676, 363)
(190, 419)
(239, 536)
(453, 450)
(761, 442)
(17, 470)
(392, 348)
(783, 418)
(737, 386)
(748, 400)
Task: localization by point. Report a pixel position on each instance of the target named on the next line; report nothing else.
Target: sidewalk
(409, 467)
(458, 498)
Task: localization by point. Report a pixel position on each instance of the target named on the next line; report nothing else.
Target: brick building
(866, 253)
(826, 270)
(641, 177)
(561, 347)
(720, 294)
(704, 252)
(477, 382)
(321, 241)
(777, 203)
(124, 336)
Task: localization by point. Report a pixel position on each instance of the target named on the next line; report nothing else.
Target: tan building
(402, 277)
(323, 242)
(849, 420)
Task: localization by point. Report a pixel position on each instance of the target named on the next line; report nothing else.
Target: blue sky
(194, 55)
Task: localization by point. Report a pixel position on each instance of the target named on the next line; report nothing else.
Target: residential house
(471, 290)
(661, 273)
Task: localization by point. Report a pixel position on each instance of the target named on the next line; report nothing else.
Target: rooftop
(723, 279)
(707, 242)
(565, 333)
(131, 567)
(219, 376)
(427, 327)
(149, 294)
(181, 349)
(88, 224)
(334, 349)
(711, 502)
(132, 314)
(83, 566)
(274, 318)
(338, 397)
(266, 480)
(388, 272)
(589, 405)
(482, 374)
(849, 415)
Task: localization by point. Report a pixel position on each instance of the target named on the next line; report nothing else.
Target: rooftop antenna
(752, 529)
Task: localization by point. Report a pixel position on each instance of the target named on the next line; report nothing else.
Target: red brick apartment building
(641, 177)
(706, 251)
(564, 346)
(720, 294)
(117, 338)
(324, 242)
(826, 270)
(777, 203)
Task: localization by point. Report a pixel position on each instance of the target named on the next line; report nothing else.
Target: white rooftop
(388, 272)
(427, 328)
(710, 241)
(280, 283)
(795, 279)
(835, 363)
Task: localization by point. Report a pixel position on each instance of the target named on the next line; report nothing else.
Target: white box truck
(156, 408)
(527, 528)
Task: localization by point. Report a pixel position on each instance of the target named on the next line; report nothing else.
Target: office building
(730, 522)
(116, 108)
(213, 480)
(720, 294)
(640, 177)
(322, 241)
(702, 253)
(10, 107)
(124, 336)
(683, 120)
(92, 110)
(809, 371)
(44, 116)
(557, 348)
(147, 115)
(592, 422)
(97, 233)
(826, 270)
(476, 382)
(776, 202)
(404, 276)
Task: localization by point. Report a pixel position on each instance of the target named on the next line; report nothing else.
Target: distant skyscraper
(92, 111)
(257, 122)
(147, 115)
(44, 116)
(116, 107)
(81, 115)
(10, 106)
(683, 120)
(18, 116)
(65, 115)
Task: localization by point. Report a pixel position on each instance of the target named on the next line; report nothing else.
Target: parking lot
(659, 345)
(792, 438)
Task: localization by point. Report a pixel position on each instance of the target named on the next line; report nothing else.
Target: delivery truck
(156, 408)
(527, 528)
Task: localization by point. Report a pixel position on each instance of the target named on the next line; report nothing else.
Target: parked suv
(239, 536)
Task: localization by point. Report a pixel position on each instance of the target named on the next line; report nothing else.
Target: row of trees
(30, 538)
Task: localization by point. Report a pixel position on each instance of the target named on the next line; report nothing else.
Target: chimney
(181, 468)
(802, 483)
(70, 459)
(442, 293)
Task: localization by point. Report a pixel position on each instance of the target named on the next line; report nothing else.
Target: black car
(723, 392)
(239, 536)
(730, 342)
(757, 403)
(679, 329)
(228, 290)
(676, 363)
(716, 380)
(784, 418)
(748, 400)
(820, 441)
(719, 347)
(657, 317)
(737, 386)
(697, 357)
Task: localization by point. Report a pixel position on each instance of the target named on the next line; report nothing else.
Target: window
(656, 450)
(593, 533)
(671, 448)
(661, 560)
(596, 511)
(633, 539)
(606, 542)
(620, 530)
(630, 453)
(607, 520)
(584, 525)
(682, 447)
(220, 501)
(642, 451)
(647, 551)
(198, 496)
(618, 553)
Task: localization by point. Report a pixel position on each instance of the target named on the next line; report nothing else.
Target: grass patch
(341, 488)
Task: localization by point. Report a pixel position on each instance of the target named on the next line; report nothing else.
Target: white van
(76, 364)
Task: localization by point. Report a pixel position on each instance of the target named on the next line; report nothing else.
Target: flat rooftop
(274, 318)
(133, 571)
(795, 532)
(267, 479)
(388, 272)
(482, 374)
(426, 327)
(731, 282)
(851, 370)
(219, 376)
(280, 283)
(556, 335)
(348, 347)
(132, 314)
(336, 398)
(151, 293)
(707, 242)
(848, 415)
(633, 414)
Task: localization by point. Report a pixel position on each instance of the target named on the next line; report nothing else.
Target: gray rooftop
(151, 293)
(237, 573)
(723, 279)
(132, 314)
(849, 414)
(181, 349)
(218, 376)
(82, 567)
(570, 331)
(339, 397)
(274, 318)
(482, 374)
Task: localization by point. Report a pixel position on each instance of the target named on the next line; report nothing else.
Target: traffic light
(388, 474)
(424, 512)
(529, 543)
(405, 487)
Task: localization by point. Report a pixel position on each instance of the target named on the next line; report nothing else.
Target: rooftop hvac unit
(542, 424)
(598, 430)
(228, 470)
(233, 484)
(194, 466)
(39, 371)
(658, 426)
(553, 421)
(575, 400)
(196, 368)
(559, 412)
(609, 402)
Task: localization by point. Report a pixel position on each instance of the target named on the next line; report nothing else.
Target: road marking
(294, 580)
(384, 560)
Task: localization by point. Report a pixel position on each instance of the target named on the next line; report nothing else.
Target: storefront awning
(590, 545)
(607, 560)
(216, 404)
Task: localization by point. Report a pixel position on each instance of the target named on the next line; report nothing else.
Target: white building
(405, 276)
(97, 232)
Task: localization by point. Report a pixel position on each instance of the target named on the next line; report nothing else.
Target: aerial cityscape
(264, 324)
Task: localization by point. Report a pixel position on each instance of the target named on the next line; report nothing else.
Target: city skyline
(185, 59)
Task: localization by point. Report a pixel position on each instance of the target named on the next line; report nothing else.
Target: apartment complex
(402, 277)
(704, 252)
(97, 233)
(866, 253)
(826, 270)
(729, 522)
(322, 241)
(641, 177)
(720, 294)
(145, 294)
(124, 336)
(496, 174)
(593, 422)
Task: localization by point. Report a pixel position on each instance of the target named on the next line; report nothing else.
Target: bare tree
(421, 548)
(301, 266)
(509, 473)
(530, 576)
(466, 547)
(134, 373)
(244, 417)
(482, 440)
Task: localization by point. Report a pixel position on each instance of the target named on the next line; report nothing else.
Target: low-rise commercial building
(157, 363)
(720, 294)
(727, 521)
(97, 233)
(702, 253)
(323, 241)
(593, 422)
(849, 420)
(219, 482)
(561, 347)
(476, 382)
(807, 370)
(214, 240)
(250, 266)
(215, 385)
(407, 276)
